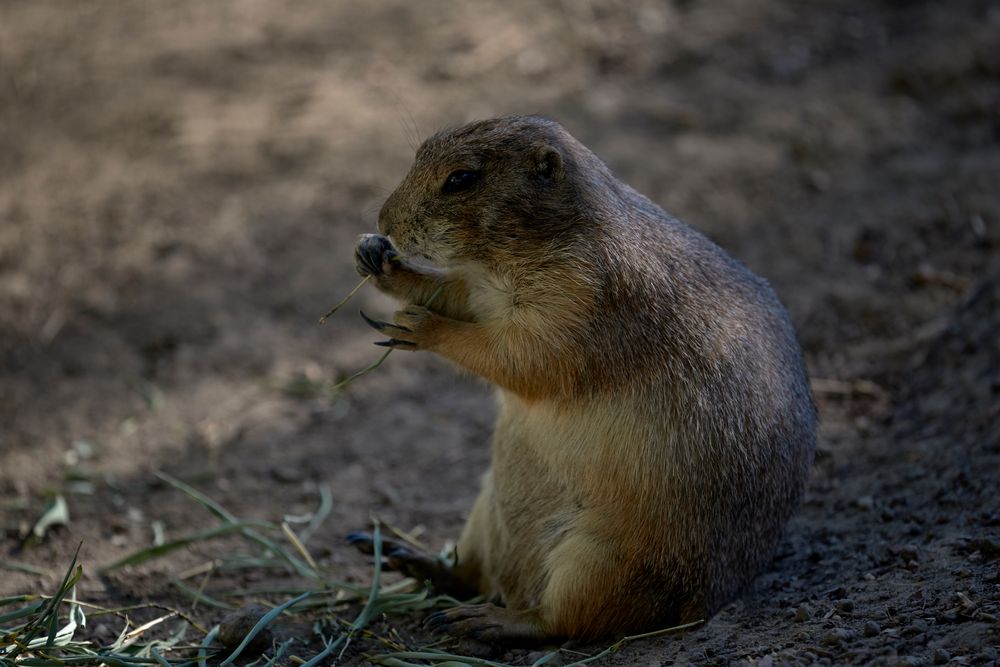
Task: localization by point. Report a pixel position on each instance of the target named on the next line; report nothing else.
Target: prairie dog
(655, 428)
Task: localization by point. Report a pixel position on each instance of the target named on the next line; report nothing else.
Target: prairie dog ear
(548, 162)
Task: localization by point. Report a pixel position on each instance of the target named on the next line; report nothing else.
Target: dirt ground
(181, 185)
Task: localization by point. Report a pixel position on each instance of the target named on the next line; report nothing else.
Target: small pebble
(838, 592)
(287, 474)
(474, 648)
(871, 629)
(866, 503)
(836, 637)
(238, 624)
(946, 617)
(845, 606)
(830, 639)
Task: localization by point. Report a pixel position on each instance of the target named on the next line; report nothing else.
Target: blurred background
(181, 185)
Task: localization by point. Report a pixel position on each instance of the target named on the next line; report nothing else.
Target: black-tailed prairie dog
(655, 427)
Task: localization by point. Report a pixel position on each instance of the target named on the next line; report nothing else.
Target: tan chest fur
(490, 298)
(557, 472)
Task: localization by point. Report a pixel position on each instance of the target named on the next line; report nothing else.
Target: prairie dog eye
(463, 179)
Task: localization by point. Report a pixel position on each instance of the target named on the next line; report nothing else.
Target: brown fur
(656, 426)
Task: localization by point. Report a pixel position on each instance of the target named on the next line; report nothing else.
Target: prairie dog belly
(556, 472)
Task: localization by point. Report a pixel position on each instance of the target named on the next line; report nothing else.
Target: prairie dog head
(488, 192)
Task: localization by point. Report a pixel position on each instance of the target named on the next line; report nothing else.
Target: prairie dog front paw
(413, 328)
(375, 255)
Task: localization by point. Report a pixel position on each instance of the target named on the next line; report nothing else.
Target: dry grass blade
(229, 518)
(131, 637)
(199, 596)
(322, 512)
(343, 301)
(15, 566)
(410, 537)
(385, 355)
(205, 644)
(279, 653)
(155, 552)
(209, 504)
(294, 539)
(364, 371)
(23, 612)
